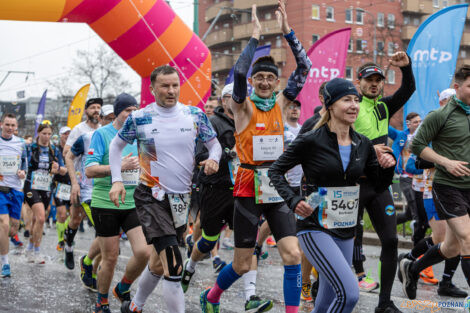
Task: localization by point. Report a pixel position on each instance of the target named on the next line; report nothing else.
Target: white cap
(228, 90)
(446, 94)
(64, 129)
(107, 109)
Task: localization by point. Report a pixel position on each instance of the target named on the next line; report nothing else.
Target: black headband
(265, 67)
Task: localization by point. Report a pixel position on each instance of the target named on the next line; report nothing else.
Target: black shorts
(60, 202)
(108, 222)
(246, 216)
(36, 196)
(154, 216)
(450, 202)
(216, 209)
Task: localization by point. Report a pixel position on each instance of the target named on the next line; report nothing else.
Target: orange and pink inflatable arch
(144, 33)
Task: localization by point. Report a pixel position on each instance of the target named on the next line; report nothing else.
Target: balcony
(461, 62)
(246, 4)
(213, 10)
(222, 63)
(246, 30)
(408, 31)
(279, 54)
(417, 6)
(219, 37)
(465, 39)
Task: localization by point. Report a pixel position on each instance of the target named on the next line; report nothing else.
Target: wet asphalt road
(53, 288)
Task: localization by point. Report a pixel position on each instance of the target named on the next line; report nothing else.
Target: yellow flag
(77, 107)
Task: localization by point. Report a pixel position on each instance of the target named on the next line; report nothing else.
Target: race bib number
(267, 148)
(340, 207)
(41, 180)
(179, 204)
(130, 177)
(63, 192)
(9, 164)
(233, 166)
(264, 189)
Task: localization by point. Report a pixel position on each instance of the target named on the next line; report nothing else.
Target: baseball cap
(64, 129)
(369, 71)
(446, 94)
(228, 90)
(107, 109)
(93, 101)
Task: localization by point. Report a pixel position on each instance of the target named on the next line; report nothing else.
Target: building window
(349, 73)
(463, 54)
(315, 12)
(391, 48)
(380, 19)
(380, 47)
(267, 16)
(315, 38)
(350, 45)
(391, 77)
(359, 16)
(278, 42)
(349, 15)
(445, 3)
(406, 20)
(416, 21)
(435, 3)
(330, 14)
(359, 45)
(391, 21)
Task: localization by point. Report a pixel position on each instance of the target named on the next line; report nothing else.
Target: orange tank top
(261, 124)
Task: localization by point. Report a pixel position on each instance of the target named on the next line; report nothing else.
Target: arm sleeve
(201, 152)
(411, 166)
(24, 160)
(422, 164)
(128, 131)
(205, 130)
(392, 133)
(299, 76)
(96, 150)
(78, 148)
(290, 158)
(396, 101)
(241, 70)
(115, 151)
(426, 133)
(380, 177)
(214, 148)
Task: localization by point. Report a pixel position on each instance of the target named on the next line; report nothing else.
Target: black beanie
(337, 88)
(122, 102)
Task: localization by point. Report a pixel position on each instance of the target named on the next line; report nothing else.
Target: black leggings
(383, 217)
(422, 221)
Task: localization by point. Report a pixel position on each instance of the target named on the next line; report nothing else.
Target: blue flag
(260, 52)
(434, 50)
(40, 114)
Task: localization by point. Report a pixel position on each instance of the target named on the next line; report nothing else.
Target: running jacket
(318, 153)
(374, 114)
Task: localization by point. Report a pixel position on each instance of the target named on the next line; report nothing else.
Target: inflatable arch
(144, 33)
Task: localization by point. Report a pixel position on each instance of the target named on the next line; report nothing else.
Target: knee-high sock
(70, 235)
(225, 279)
(420, 248)
(60, 227)
(292, 287)
(450, 267)
(147, 283)
(465, 263)
(173, 294)
(431, 257)
(249, 281)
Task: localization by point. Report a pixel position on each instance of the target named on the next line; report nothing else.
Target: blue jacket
(399, 141)
(411, 166)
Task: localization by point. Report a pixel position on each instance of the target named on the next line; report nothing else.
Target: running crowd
(247, 165)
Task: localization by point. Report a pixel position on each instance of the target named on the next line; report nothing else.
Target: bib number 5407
(344, 205)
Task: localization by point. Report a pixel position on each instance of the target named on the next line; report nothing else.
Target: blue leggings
(331, 256)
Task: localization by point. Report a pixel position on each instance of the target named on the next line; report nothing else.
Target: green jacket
(448, 128)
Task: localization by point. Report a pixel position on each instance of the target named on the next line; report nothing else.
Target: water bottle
(316, 199)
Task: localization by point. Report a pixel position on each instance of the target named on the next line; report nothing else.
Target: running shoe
(206, 306)
(447, 289)
(121, 296)
(129, 307)
(271, 242)
(26, 234)
(409, 282)
(104, 308)
(189, 245)
(427, 276)
(368, 284)
(390, 307)
(39, 259)
(186, 276)
(227, 244)
(60, 246)
(401, 256)
(86, 275)
(255, 305)
(6, 272)
(69, 262)
(218, 265)
(260, 254)
(305, 293)
(16, 241)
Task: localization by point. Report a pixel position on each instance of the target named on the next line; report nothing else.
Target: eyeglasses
(293, 107)
(261, 78)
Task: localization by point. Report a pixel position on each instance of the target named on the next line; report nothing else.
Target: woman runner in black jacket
(333, 157)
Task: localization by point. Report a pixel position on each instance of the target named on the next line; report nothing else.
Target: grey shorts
(154, 216)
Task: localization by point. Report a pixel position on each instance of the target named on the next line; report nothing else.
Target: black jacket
(310, 123)
(318, 153)
(225, 129)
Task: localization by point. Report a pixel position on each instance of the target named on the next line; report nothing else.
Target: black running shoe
(126, 308)
(447, 289)
(124, 296)
(102, 309)
(388, 308)
(409, 281)
(69, 261)
(400, 257)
